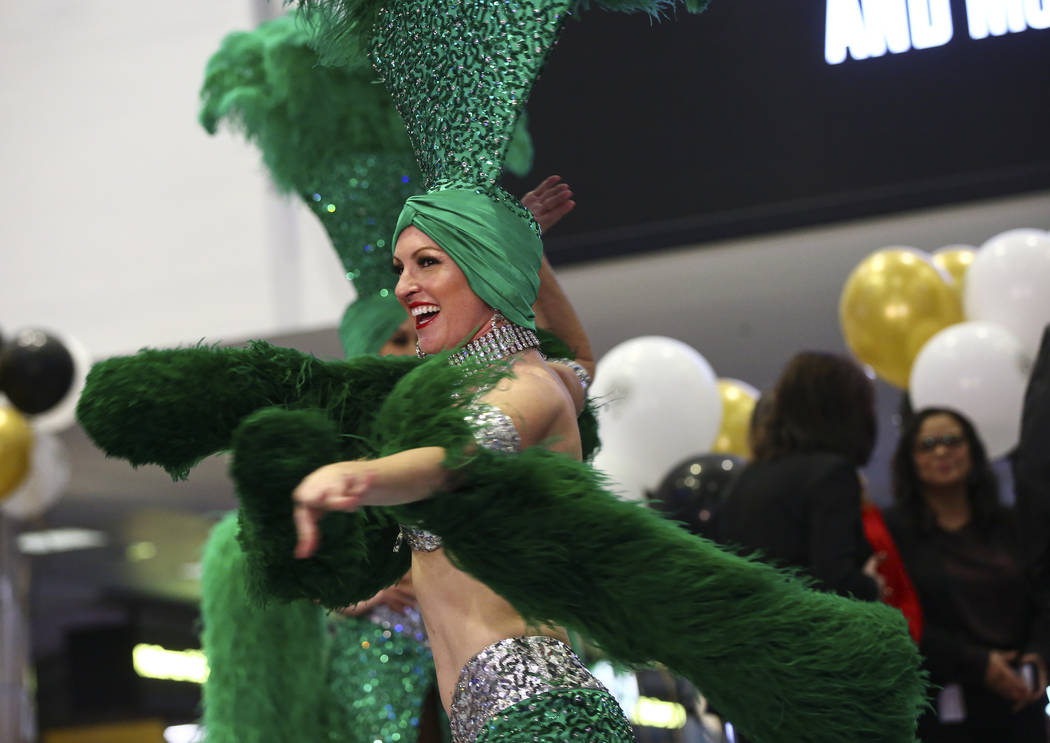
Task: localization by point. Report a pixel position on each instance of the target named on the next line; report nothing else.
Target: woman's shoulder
(533, 399)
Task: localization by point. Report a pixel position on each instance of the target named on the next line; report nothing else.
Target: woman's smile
(423, 313)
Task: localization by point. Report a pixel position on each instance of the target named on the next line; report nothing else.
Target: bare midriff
(463, 616)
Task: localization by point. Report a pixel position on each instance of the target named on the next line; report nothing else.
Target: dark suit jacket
(1031, 470)
(802, 510)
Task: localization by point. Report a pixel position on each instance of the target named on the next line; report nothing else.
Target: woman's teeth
(424, 314)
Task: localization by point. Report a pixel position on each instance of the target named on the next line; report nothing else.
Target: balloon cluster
(659, 403)
(957, 328)
(39, 377)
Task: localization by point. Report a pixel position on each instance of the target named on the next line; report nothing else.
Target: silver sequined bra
(493, 430)
(508, 672)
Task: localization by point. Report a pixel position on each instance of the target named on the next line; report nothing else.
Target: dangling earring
(419, 351)
(496, 318)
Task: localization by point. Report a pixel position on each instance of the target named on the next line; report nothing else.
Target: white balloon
(48, 478)
(658, 402)
(979, 369)
(63, 414)
(1008, 284)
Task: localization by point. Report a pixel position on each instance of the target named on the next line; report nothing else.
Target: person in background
(798, 502)
(985, 638)
(1031, 470)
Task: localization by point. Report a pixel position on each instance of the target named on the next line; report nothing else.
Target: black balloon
(695, 488)
(36, 371)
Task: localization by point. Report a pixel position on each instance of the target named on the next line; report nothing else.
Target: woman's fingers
(306, 530)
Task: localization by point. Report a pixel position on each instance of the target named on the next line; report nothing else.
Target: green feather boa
(264, 683)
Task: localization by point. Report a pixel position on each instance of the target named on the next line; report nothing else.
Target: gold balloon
(892, 303)
(955, 259)
(16, 441)
(738, 402)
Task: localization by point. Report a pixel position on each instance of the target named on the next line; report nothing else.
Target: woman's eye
(427, 261)
(398, 269)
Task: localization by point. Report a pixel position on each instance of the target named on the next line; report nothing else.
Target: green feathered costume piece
(264, 682)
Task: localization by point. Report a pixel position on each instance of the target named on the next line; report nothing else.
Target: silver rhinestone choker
(499, 343)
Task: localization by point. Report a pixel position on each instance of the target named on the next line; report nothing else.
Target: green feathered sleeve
(175, 407)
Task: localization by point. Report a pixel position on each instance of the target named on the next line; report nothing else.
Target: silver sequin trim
(420, 540)
(508, 672)
(493, 430)
(578, 370)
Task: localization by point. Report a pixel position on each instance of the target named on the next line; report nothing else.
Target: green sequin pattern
(356, 202)
(379, 675)
(589, 715)
(460, 73)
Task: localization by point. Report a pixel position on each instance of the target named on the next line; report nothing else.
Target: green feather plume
(175, 407)
(264, 683)
(274, 450)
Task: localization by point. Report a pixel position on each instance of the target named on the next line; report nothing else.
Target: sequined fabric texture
(380, 670)
(493, 430)
(512, 673)
(584, 715)
(356, 203)
(460, 73)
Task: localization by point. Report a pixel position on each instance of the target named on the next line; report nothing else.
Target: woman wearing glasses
(986, 639)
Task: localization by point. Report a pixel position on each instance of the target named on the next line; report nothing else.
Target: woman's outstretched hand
(549, 201)
(334, 487)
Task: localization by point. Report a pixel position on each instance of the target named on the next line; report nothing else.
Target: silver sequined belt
(508, 672)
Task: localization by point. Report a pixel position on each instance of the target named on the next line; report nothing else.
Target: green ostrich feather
(175, 407)
(273, 451)
(264, 683)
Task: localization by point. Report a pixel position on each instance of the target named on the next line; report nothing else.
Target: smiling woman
(986, 636)
(436, 294)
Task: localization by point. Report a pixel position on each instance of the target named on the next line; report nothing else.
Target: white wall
(121, 221)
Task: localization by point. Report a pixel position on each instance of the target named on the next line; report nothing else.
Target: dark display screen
(766, 114)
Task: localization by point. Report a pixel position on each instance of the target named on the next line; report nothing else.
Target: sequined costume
(533, 688)
(379, 673)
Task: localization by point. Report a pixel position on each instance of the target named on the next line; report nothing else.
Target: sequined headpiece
(331, 135)
(460, 73)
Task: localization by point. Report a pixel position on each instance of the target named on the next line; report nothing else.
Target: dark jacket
(973, 594)
(802, 510)
(1031, 471)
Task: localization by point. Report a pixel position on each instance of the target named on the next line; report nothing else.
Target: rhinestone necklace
(499, 342)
